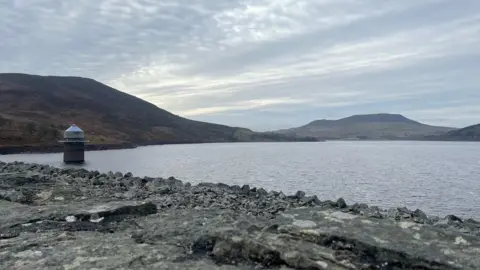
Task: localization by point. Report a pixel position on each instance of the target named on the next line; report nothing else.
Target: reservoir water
(437, 177)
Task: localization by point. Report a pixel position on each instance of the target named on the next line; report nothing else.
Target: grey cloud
(371, 27)
(259, 62)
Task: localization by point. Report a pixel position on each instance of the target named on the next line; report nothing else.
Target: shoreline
(48, 149)
(66, 214)
(36, 168)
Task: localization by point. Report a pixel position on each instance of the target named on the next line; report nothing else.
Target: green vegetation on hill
(35, 110)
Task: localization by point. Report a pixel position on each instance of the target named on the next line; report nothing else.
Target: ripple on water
(438, 177)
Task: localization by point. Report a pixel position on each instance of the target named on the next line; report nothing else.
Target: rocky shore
(53, 218)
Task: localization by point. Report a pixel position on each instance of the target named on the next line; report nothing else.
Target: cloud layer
(263, 64)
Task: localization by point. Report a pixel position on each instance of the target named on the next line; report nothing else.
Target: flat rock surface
(76, 219)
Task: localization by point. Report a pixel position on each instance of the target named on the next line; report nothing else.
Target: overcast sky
(263, 64)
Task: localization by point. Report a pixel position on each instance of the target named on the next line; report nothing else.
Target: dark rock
(236, 188)
(128, 174)
(9, 236)
(277, 210)
(419, 216)
(223, 186)
(203, 245)
(97, 181)
(311, 200)
(174, 182)
(164, 190)
(355, 208)
(452, 219)
(123, 209)
(341, 203)
(271, 229)
(262, 192)
(299, 194)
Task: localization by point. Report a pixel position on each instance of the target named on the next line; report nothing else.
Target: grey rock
(13, 196)
(471, 220)
(311, 200)
(245, 189)
(272, 194)
(126, 182)
(400, 213)
(150, 223)
(262, 192)
(98, 181)
(130, 194)
(373, 212)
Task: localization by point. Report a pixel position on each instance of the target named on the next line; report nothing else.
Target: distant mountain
(381, 126)
(35, 110)
(470, 133)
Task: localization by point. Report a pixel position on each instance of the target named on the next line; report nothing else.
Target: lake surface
(437, 177)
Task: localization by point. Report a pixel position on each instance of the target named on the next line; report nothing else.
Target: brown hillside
(34, 110)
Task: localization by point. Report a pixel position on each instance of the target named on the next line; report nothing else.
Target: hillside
(370, 126)
(35, 110)
(470, 133)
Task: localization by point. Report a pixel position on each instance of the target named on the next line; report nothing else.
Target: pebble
(172, 193)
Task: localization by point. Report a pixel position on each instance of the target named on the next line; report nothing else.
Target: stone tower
(74, 145)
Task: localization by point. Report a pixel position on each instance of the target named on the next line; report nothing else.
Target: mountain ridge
(35, 110)
(469, 133)
(367, 126)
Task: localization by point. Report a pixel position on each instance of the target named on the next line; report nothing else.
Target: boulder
(66, 221)
(13, 196)
(341, 203)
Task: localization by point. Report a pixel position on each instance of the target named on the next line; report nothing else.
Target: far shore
(47, 149)
(58, 148)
